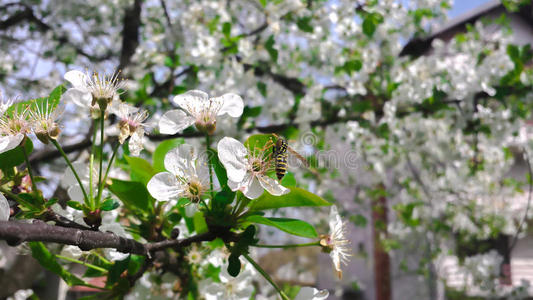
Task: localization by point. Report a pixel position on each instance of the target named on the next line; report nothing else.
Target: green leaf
(220, 171)
(223, 198)
(258, 141)
(48, 261)
(200, 226)
(117, 269)
(75, 204)
(141, 170)
(162, 150)
(109, 204)
(226, 29)
(52, 101)
(261, 86)
(295, 198)
(15, 157)
(288, 180)
(234, 265)
(51, 202)
(269, 45)
(133, 194)
(304, 24)
(292, 226)
(249, 112)
(370, 23)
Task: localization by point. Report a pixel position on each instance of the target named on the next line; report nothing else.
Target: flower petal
(10, 142)
(232, 154)
(272, 186)
(76, 78)
(335, 220)
(136, 142)
(191, 100)
(252, 187)
(164, 186)
(180, 160)
(78, 97)
(174, 121)
(5, 211)
(232, 105)
(71, 251)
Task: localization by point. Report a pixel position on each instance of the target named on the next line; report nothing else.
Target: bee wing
(300, 157)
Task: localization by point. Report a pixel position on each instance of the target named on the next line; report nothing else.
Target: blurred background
(354, 86)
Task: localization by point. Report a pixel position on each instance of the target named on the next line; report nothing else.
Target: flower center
(195, 190)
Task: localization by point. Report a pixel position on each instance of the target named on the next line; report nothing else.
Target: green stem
(17, 198)
(207, 145)
(91, 189)
(100, 186)
(288, 246)
(110, 164)
(91, 163)
(88, 265)
(28, 166)
(205, 204)
(101, 257)
(67, 160)
(267, 277)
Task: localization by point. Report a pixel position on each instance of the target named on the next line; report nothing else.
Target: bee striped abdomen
(281, 158)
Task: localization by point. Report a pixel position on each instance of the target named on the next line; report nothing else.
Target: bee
(280, 152)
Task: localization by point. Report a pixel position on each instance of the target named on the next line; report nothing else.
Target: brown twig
(16, 232)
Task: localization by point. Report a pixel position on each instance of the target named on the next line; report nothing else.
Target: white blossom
(229, 288)
(336, 242)
(197, 108)
(130, 125)
(88, 89)
(13, 129)
(187, 176)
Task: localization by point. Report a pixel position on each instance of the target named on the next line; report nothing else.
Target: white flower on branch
(92, 91)
(187, 176)
(247, 170)
(229, 288)
(130, 125)
(13, 129)
(197, 108)
(336, 243)
(43, 122)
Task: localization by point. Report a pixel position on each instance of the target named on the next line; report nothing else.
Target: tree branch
(130, 33)
(46, 155)
(16, 232)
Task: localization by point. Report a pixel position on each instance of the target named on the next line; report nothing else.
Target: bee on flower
(336, 243)
(247, 169)
(198, 109)
(95, 92)
(131, 124)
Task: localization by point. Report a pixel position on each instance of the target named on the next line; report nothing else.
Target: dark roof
(418, 46)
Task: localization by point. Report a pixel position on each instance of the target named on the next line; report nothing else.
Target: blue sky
(462, 6)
